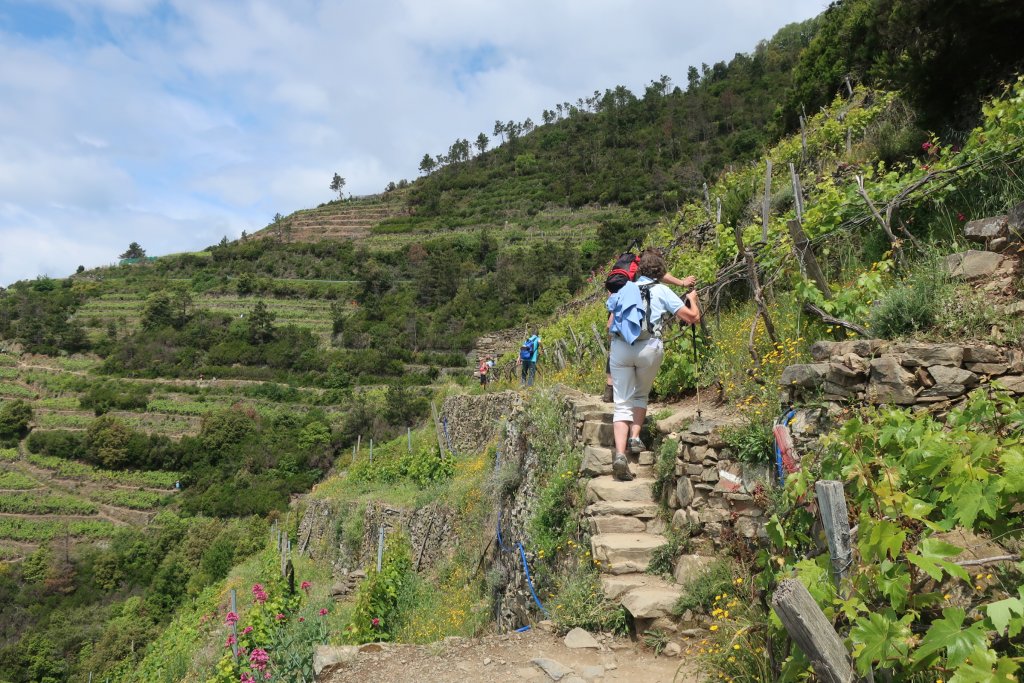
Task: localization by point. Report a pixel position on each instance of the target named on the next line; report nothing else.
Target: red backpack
(622, 272)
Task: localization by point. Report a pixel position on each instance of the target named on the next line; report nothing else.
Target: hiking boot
(609, 396)
(636, 446)
(620, 468)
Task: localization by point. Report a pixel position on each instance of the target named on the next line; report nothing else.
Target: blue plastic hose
(529, 579)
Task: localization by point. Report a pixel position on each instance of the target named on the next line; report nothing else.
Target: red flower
(280, 617)
(926, 146)
(231, 640)
(306, 585)
(302, 619)
(246, 678)
(231, 618)
(247, 630)
(375, 621)
(323, 611)
(961, 217)
(258, 593)
(259, 659)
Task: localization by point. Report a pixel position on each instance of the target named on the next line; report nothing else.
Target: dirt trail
(501, 658)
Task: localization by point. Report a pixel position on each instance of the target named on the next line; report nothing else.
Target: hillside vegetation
(251, 371)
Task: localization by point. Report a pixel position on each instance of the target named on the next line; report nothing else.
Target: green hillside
(158, 418)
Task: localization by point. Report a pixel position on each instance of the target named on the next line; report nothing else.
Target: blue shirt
(627, 308)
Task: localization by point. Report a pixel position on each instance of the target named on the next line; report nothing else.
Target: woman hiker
(635, 319)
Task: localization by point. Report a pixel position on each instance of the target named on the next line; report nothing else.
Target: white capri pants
(633, 367)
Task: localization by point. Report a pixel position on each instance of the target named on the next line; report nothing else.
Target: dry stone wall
(876, 372)
(474, 421)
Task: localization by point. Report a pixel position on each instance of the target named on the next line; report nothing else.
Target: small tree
(15, 417)
(134, 251)
(427, 164)
(261, 324)
(337, 185)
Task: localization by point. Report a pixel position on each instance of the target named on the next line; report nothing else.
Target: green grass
(10, 390)
(63, 420)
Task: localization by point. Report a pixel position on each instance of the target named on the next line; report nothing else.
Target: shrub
(376, 613)
(15, 417)
(580, 602)
(752, 442)
(701, 591)
(913, 306)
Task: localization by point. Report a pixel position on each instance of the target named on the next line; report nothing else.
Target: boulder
(983, 230)
(596, 461)
(689, 567)
(975, 265)
(555, 670)
(333, 655)
(1015, 223)
(950, 382)
(578, 639)
(1013, 383)
(808, 375)
(984, 354)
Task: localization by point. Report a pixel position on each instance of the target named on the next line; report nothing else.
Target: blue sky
(176, 122)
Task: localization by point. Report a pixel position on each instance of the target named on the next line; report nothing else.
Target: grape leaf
(948, 633)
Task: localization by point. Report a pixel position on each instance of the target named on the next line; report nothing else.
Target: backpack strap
(645, 294)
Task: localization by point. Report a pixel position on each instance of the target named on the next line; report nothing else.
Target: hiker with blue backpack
(636, 312)
(528, 353)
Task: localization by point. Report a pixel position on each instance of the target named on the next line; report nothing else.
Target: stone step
(617, 524)
(598, 434)
(597, 461)
(626, 508)
(617, 585)
(596, 413)
(609, 489)
(651, 602)
(624, 553)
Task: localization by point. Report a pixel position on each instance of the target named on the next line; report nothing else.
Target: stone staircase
(625, 523)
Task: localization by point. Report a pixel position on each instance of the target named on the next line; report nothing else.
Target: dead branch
(832, 320)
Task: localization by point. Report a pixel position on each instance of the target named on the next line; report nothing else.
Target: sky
(174, 123)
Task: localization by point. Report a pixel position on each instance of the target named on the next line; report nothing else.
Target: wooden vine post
(811, 630)
(805, 256)
(836, 521)
(437, 430)
(755, 287)
(766, 205)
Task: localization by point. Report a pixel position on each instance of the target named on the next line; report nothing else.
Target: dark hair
(652, 265)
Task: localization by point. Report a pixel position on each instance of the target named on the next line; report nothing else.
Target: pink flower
(259, 659)
(323, 611)
(375, 621)
(267, 675)
(306, 585)
(961, 217)
(926, 146)
(247, 630)
(231, 619)
(231, 640)
(279, 617)
(246, 678)
(258, 593)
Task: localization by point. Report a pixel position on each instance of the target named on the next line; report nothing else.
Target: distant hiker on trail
(625, 267)
(528, 353)
(636, 312)
(482, 371)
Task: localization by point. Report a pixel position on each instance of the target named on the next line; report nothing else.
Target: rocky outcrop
(899, 373)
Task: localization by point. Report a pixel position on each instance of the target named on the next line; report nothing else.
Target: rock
(746, 527)
(913, 354)
(985, 229)
(865, 348)
(616, 524)
(597, 433)
(1015, 222)
(573, 678)
(358, 575)
(592, 672)
(487, 661)
(950, 382)
(546, 625)
(370, 647)
(608, 489)
(651, 602)
(672, 650)
(1013, 383)
(974, 265)
(332, 655)
(984, 354)
(624, 553)
(684, 492)
(990, 369)
(578, 639)
(553, 669)
(890, 383)
(807, 376)
(689, 567)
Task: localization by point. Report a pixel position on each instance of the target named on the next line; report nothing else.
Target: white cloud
(175, 122)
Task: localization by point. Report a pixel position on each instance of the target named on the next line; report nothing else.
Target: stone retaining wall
(474, 421)
(876, 372)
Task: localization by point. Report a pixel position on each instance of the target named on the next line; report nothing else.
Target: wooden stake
(803, 140)
(755, 287)
(599, 338)
(805, 257)
(797, 194)
(437, 430)
(766, 205)
(834, 517)
(808, 626)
